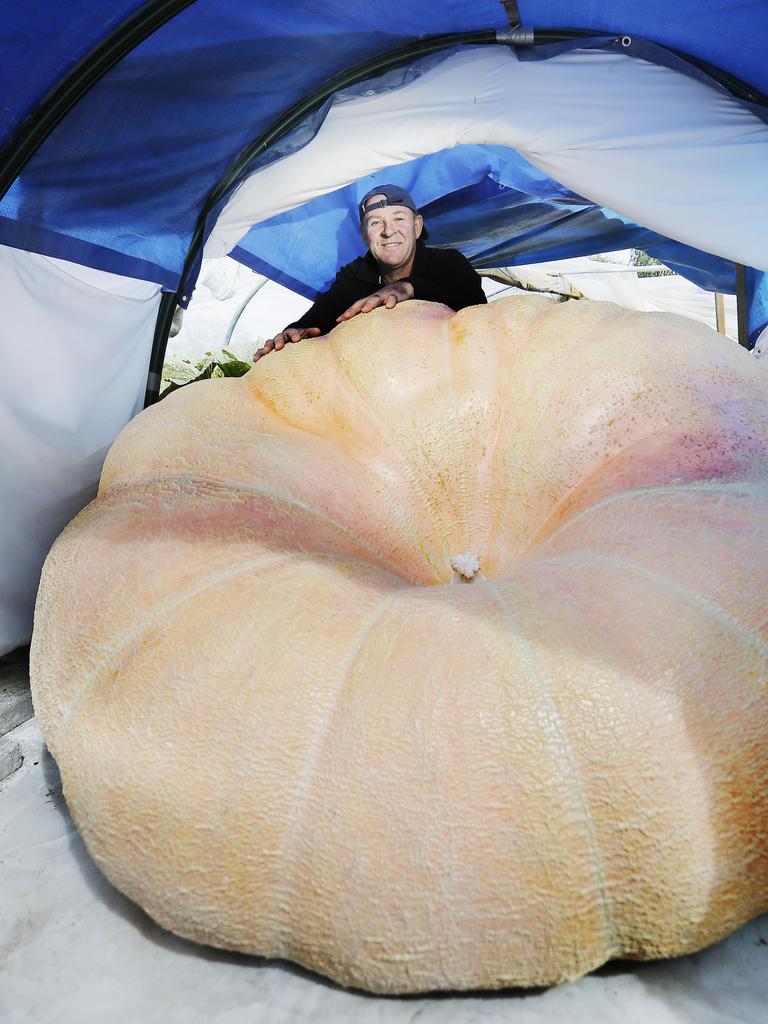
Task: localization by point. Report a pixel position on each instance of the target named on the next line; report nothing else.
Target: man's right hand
(289, 335)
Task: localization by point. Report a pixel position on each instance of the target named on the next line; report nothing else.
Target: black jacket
(438, 275)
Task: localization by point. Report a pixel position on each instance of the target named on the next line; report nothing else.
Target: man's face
(390, 233)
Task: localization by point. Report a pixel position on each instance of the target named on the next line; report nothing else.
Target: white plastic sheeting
(75, 347)
(668, 151)
(611, 282)
(226, 284)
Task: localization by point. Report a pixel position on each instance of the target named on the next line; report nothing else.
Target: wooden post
(720, 312)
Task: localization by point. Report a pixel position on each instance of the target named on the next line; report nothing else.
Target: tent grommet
(626, 40)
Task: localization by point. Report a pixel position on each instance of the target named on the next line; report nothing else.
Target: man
(397, 267)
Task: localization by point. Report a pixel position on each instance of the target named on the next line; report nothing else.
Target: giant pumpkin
(431, 654)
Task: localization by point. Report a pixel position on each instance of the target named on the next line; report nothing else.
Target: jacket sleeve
(328, 305)
(450, 279)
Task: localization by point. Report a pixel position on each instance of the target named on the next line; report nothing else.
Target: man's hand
(289, 335)
(388, 296)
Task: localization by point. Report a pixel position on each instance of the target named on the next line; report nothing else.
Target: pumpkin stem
(465, 567)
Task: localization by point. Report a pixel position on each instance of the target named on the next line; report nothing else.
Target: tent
(137, 137)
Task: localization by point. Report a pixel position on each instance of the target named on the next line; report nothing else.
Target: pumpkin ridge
(735, 802)
(290, 835)
(448, 347)
(236, 784)
(547, 311)
(462, 489)
(711, 608)
(561, 508)
(678, 490)
(276, 497)
(406, 535)
(611, 945)
(411, 471)
(133, 641)
(539, 322)
(493, 525)
(296, 428)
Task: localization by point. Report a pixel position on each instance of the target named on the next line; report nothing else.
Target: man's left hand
(388, 296)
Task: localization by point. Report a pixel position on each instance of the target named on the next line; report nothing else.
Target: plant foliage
(178, 374)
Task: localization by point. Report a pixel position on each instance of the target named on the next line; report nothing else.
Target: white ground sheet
(72, 949)
(670, 152)
(75, 347)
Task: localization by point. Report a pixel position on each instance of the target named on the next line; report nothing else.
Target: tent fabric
(42, 42)
(729, 36)
(757, 302)
(511, 214)
(75, 344)
(121, 184)
(177, 110)
(622, 113)
(628, 286)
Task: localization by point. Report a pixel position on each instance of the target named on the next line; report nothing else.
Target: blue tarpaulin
(511, 214)
(119, 184)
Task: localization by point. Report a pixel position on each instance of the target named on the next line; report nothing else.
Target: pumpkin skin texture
(285, 725)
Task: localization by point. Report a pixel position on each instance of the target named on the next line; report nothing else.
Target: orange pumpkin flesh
(286, 725)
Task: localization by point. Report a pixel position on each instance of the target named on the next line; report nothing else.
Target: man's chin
(392, 261)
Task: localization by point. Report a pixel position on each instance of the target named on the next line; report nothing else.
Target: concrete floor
(15, 707)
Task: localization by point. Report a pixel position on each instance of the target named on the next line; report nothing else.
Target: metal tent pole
(741, 305)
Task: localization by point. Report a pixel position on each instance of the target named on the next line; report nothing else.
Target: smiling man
(398, 266)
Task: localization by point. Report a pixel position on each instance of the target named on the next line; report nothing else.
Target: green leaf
(234, 368)
(180, 372)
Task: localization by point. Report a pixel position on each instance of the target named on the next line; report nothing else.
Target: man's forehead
(377, 202)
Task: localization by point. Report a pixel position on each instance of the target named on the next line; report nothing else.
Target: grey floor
(15, 706)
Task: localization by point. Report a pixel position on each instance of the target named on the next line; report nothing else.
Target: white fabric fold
(75, 346)
(668, 151)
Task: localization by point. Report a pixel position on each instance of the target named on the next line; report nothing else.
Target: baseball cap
(395, 196)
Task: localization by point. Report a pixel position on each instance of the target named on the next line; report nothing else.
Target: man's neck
(390, 276)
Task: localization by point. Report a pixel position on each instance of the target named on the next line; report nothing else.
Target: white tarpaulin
(613, 282)
(76, 346)
(650, 143)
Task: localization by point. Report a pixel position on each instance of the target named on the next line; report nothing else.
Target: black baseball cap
(395, 196)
